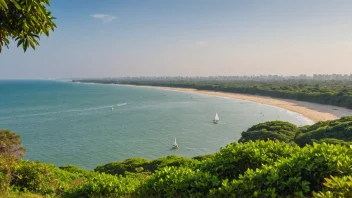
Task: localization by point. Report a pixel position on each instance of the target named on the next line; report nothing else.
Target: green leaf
(3, 4)
(16, 4)
(20, 42)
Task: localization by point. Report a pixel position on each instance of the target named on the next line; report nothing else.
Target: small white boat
(175, 145)
(216, 120)
(112, 108)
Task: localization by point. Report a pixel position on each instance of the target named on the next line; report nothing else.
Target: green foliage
(274, 130)
(297, 176)
(103, 185)
(172, 160)
(204, 157)
(250, 169)
(235, 158)
(136, 165)
(74, 169)
(4, 181)
(178, 182)
(336, 187)
(12, 194)
(338, 129)
(40, 178)
(333, 132)
(11, 145)
(24, 21)
(332, 141)
(121, 168)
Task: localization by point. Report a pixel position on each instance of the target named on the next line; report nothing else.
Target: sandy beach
(312, 111)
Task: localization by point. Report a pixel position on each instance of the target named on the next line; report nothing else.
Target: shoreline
(312, 111)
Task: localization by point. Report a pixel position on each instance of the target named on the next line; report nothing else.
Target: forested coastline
(328, 90)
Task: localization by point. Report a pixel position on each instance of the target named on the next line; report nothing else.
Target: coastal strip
(313, 111)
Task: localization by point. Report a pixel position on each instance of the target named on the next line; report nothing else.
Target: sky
(113, 38)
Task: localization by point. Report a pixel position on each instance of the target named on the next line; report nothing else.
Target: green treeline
(272, 159)
(330, 92)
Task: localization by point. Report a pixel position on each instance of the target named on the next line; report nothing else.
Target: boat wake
(59, 112)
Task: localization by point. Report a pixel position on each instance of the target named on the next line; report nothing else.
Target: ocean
(73, 123)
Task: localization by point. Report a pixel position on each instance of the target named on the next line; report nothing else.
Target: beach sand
(312, 111)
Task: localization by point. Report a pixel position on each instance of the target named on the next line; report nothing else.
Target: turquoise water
(70, 123)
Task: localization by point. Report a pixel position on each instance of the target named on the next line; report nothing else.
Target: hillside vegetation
(333, 132)
(295, 166)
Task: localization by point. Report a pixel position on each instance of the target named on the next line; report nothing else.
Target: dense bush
(274, 130)
(336, 187)
(297, 176)
(40, 178)
(204, 157)
(121, 168)
(178, 182)
(137, 165)
(103, 185)
(171, 161)
(74, 169)
(236, 158)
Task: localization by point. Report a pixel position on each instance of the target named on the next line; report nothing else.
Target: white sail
(217, 117)
(175, 146)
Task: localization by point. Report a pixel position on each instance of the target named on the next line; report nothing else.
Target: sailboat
(175, 145)
(216, 120)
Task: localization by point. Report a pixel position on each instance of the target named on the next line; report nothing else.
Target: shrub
(40, 178)
(103, 185)
(336, 187)
(121, 168)
(236, 158)
(178, 182)
(296, 176)
(204, 157)
(170, 161)
(74, 169)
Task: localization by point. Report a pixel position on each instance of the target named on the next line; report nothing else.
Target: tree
(274, 130)
(24, 21)
(11, 145)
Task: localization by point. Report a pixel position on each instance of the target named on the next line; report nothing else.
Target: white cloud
(105, 17)
(201, 43)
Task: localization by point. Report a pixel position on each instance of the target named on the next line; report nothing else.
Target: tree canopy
(11, 144)
(326, 131)
(274, 130)
(24, 21)
(332, 132)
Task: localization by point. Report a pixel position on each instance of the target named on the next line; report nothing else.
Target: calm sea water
(70, 123)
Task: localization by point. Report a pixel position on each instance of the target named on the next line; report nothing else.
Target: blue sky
(109, 38)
